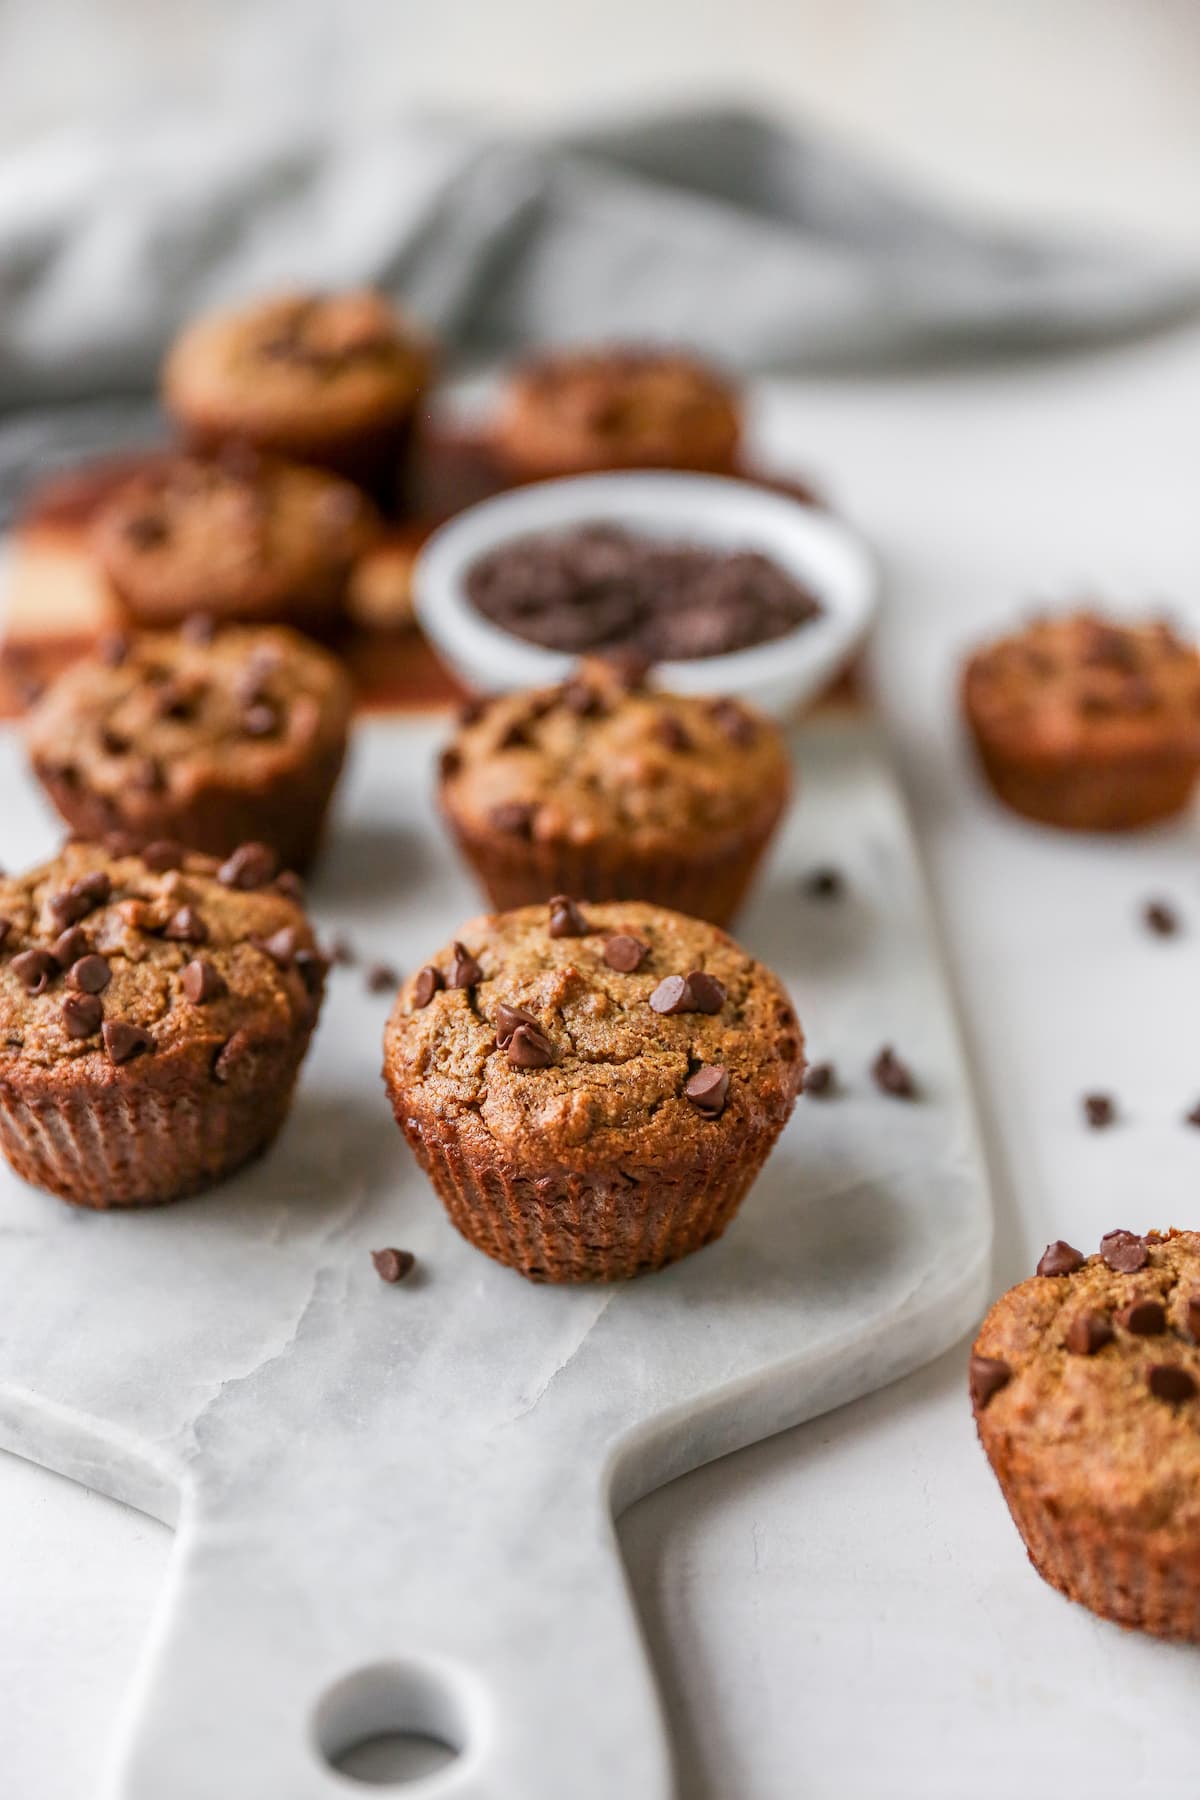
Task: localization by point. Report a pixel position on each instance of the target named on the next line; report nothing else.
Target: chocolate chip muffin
(573, 412)
(332, 379)
(154, 1013)
(239, 537)
(607, 788)
(1085, 1382)
(1087, 724)
(592, 1089)
(209, 739)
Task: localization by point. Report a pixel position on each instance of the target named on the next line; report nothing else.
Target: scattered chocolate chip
(514, 818)
(35, 970)
(201, 981)
(1099, 1110)
(90, 975)
(81, 1015)
(1167, 1381)
(290, 885)
(510, 1019)
(626, 954)
(124, 1041)
(825, 884)
(708, 1090)
(515, 736)
(1144, 1318)
(734, 721)
(673, 735)
(672, 995)
(566, 920)
(179, 700)
(708, 994)
(382, 978)
(186, 927)
(472, 710)
(426, 985)
(464, 970)
(81, 898)
(821, 1080)
(250, 866)
(530, 1048)
(1060, 1258)
(146, 530)
(1124, 1252)
(113, 649)
(1160, 918)
(891, 1076)
(393, 1265)
(449, 763)
(114, 743)
(235, 1051)
(163, 855)
(5, 928)
(1087, 1333)
(281, 946)
(69, 946)
(989, 1374)
(198, 628)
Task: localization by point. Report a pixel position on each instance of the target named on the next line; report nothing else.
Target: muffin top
(588, 1034)
(602, 755)
(1090, 1374)
(110, 959)
(1086, 685)
(244, 535)
(619, 408)
(173, 713)
(304, 367)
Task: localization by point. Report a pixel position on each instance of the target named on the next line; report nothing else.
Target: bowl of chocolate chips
(724, 587)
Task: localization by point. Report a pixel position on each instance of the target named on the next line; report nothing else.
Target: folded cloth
(765, 247)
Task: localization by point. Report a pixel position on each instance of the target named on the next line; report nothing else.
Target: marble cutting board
(395, 1505)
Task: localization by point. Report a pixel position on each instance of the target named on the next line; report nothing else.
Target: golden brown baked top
(114, 959)
(598, 757)
(1090, 1379)
(590, 1035)
(1084, 684)
(308, 366)
(611, 408)
(174, 713)
(234, 533)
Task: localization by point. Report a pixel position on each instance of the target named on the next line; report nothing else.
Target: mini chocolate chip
(624, 953)
(1191, 1313)
(5, 928)
(1087, 1333)
(673, 735)
(114, 743)
(81, 898)
(1160, 918)
(124, 1041)
(825, 884)
(163, 854)
(382, 978)
(530, 1048)
(426, 985)
(672, 995)
(113, 649)
(81, 1015)
(186, 927)
(891, 1076)
(177, 701)
(1099, 1110)
(821, 1080)
(708, 1090)
(290, 885)
(1145, 1318)
(566, 920)
(201, 981)
(198, 628)
(510, 1019)
(708, 994)
(260, 720)
(35, 970)
(281, 946)
(1124, 1252)
(449, 763)
(515, 736)
(235, 1051)
(472, 710)
(250, 866)
(464, 970)
(91, 975)
(1168, 1381)
(393, 1265)
(514, 818)
(988, 1375)
(69, 946)
(1060, 1258)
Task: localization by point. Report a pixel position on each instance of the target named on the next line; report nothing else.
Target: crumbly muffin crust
(239, 536)
(1086, 1388)
(210, 738)
(578, 410)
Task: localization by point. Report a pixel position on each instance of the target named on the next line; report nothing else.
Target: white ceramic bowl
(707, 509)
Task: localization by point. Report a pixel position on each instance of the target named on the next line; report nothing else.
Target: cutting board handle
(483, 1604)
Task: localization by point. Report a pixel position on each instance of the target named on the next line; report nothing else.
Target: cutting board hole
(392, 1725)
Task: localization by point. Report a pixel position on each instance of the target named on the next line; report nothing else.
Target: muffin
(332, 379)
(211, 740)
(154, 1013)
(239, 537)
(576, 411)
(605, 788)
(1086, 724)
(592, 1089)
(1085, 1383)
